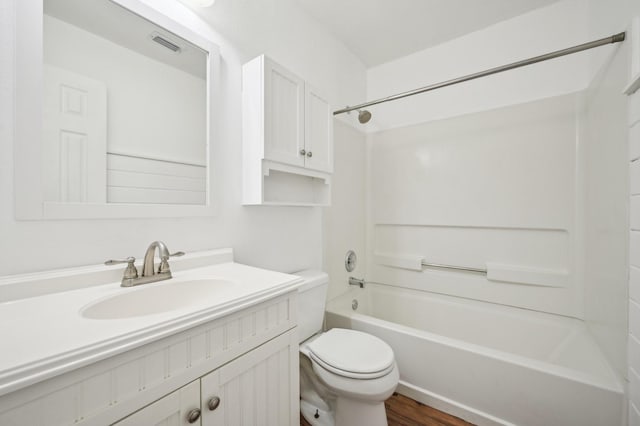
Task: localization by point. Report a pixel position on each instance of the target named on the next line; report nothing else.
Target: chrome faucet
(356, 281)
(149, 274)
(148, 267)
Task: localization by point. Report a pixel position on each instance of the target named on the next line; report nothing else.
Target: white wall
(543, 30)
(615, 140)
(142, 116)
(344, 221)
(605, 206)
(280, 238)
(634, 260)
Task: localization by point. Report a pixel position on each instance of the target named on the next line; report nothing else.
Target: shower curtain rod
(616, 38)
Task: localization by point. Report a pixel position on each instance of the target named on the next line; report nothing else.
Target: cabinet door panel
(259, 388)
(171, 410)
(318, 131)
(284, 115)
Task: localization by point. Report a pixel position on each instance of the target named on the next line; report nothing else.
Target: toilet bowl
(345, 375)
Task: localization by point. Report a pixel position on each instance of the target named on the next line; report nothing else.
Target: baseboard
(449, 406)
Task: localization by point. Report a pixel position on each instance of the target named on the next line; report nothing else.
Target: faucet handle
(129, 260)
(131, 271)
(164, 262)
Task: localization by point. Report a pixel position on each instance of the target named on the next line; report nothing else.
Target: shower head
(364, 116)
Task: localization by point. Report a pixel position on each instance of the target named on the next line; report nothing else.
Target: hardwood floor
(404, 411)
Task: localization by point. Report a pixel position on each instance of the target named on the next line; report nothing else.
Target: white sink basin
(149, 299)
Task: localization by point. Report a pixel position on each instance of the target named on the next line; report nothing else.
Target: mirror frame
(28, 185)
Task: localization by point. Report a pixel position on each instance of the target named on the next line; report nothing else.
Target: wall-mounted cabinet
(287, 138)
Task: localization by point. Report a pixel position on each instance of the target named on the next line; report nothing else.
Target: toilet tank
(312, 297)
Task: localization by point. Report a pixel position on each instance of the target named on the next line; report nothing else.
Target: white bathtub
(486, 363)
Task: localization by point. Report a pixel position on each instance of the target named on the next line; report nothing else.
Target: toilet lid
(352, 353)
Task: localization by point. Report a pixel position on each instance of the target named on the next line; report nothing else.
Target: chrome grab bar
(456, 268)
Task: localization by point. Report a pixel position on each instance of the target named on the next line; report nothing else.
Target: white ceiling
(379, 31)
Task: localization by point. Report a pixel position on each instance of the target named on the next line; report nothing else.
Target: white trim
(450, 406)
(268, 165)
(55, 210)
(633, 85)
(122, 152)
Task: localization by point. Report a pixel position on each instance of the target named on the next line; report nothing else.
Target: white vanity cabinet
(247, 358)
(287, 137)
(258, 388)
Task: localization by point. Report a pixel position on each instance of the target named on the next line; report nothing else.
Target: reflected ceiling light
(199, 3)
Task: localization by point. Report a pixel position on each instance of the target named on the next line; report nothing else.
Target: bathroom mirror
(114, 115)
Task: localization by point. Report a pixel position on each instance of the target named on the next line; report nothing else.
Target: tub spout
(356, 281)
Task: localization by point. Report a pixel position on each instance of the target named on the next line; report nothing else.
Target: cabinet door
(259, 388)
(284, 115)
(318, 131)
(171, 410)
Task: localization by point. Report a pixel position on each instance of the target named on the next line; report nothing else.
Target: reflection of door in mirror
(75, 131)
(125, 117)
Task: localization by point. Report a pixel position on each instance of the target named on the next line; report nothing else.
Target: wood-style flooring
(404, 411)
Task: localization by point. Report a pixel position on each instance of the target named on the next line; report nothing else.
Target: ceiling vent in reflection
(163, 41)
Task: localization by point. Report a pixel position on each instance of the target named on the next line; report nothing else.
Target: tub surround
(49, 336)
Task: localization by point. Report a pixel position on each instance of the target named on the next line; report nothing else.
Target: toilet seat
(352, 354)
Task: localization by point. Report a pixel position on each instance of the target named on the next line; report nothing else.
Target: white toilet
(345, 375)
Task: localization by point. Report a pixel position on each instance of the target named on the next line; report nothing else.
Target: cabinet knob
(213, 403)
(303, 152)
(193, 415)
(309, 154)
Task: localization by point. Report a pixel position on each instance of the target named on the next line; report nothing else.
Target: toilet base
(348, 412)
(316, 416)
(351, 412)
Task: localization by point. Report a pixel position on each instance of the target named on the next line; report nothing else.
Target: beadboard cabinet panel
(259, 388)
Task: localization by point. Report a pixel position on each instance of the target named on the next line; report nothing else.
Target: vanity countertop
(46, 335)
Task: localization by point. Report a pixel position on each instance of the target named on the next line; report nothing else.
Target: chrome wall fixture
(358, 282)
(456, 268)
(350, 261)
(616, 38)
